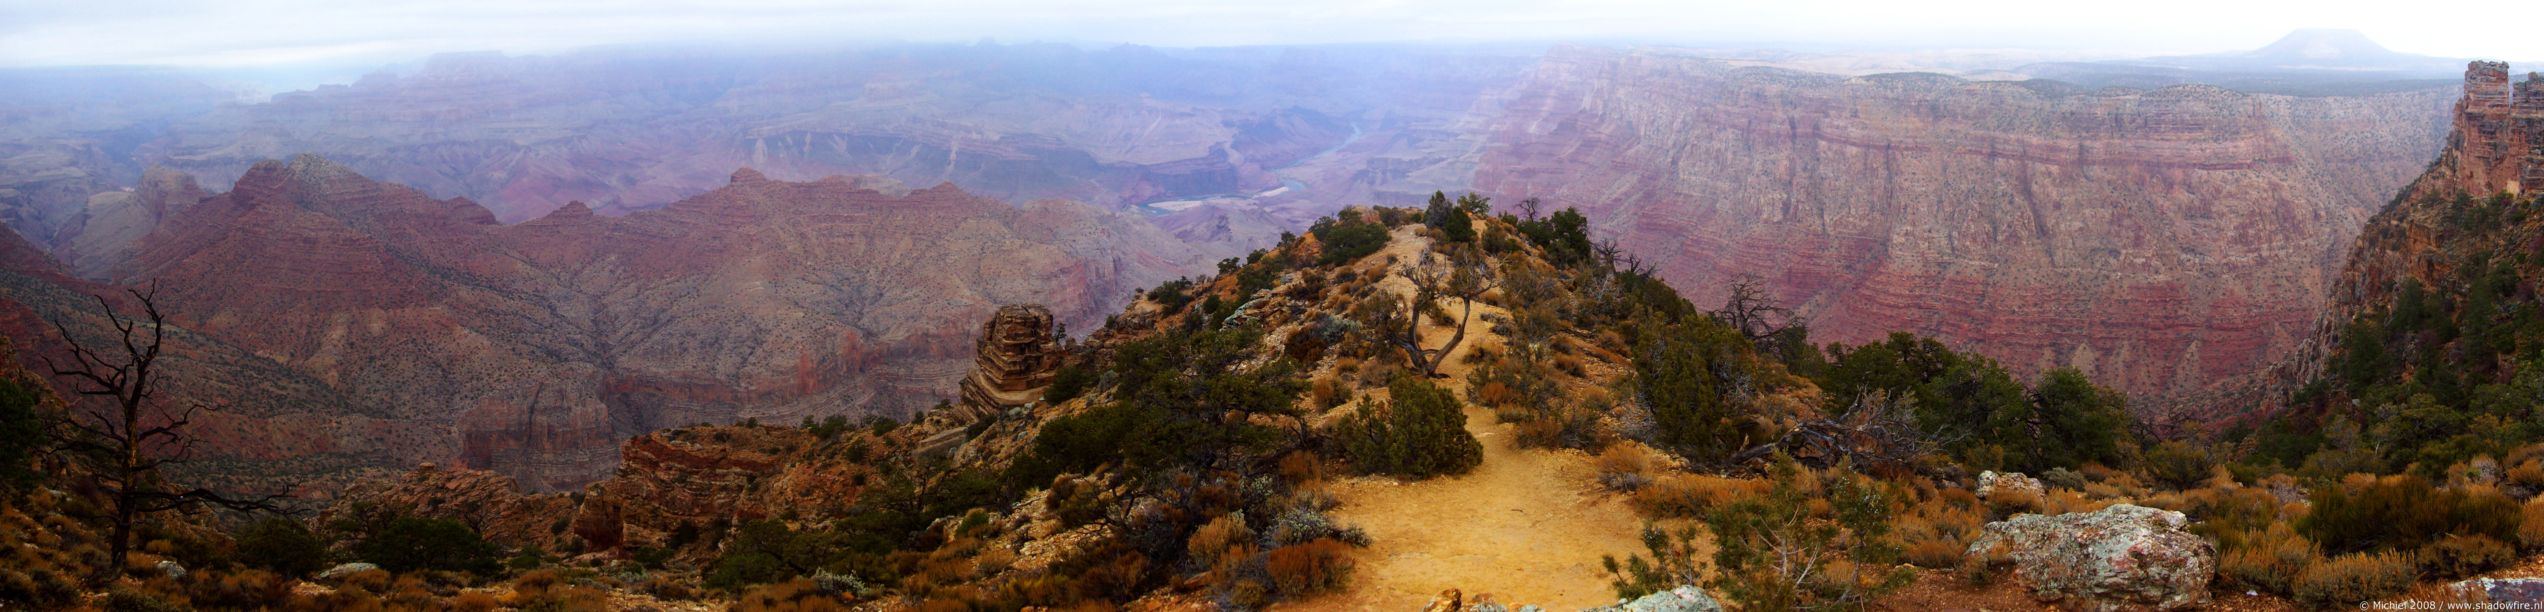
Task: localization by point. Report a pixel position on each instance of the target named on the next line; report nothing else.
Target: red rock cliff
(356, 323)
(2162, 241)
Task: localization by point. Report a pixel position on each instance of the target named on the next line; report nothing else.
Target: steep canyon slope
(2163, 241)
(407, 329)
(2460, 229)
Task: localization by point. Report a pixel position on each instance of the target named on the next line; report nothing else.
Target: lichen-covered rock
(2121, 557)
(2009, 485)
(345, 569)
(2501, 590)
(1681, 599)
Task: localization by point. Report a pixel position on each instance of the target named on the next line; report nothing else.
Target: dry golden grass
(1680, 495)
(2270, 561)
(801, 595)
(2531, 524)
(2353, 578)
(1936, 525)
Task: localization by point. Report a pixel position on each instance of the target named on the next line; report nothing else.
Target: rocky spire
(1019, 352)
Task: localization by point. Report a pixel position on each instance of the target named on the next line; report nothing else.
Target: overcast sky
(254, 33)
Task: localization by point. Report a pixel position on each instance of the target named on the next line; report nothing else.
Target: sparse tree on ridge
(1464, 278)
(122, 436)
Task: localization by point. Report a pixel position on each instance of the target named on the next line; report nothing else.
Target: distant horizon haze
(287, 35)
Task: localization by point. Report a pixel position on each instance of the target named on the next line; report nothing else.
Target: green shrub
(1770, 548)
(23, 434)
(1348, 242)
(1683, 374)
(282, 545)
(2349, 579)
(758, 554)
(1420, 434)
(408, 544)
(828, 428)
(1565, 235)
(2180, 464)
(2404, 513)
(1070, 382)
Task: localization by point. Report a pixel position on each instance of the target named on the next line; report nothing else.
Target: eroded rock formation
(2498, 140)
(1019, 350)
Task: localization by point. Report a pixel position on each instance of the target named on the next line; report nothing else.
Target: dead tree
(124, 438)
(1753, 313)
(1878, 434)
(1465, 279)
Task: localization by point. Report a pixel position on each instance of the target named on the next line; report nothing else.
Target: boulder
(340, 571)
(2121, 557)
(598, 522)
(2010, 486)
(174, 570)
(1448, 601)
(1681, 599)
(2501, 590)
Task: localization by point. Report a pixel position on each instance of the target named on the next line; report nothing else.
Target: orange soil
(1526, 526)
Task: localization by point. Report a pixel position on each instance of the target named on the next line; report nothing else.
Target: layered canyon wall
(2166, 242)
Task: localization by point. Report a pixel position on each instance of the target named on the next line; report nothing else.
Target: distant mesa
(2327, 46)
(2305, 62)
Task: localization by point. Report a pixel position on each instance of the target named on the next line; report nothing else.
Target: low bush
(2404, 513)
(1069, 383)
(1344, 243)
(2531, 524)
(2179, 464)
(2010, 501)
(1222, 544)
(1328, 393)
(2270, 561)
(282, 545)
(408, 544)
(799, 595)
(241, 590)
(1937, 528)
(1420, 434)
(1316, 566)
(1624, 468)
(2349, 579)
(1691, 495)
(129, 599)
(2459, 556)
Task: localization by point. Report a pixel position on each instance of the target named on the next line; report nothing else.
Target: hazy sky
(239, 33)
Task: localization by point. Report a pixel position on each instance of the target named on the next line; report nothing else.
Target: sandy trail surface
(1527, 526)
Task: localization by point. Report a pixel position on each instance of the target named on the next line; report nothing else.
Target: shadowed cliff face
(410, 329)
(2162, 241)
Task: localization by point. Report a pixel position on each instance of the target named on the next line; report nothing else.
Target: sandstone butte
(2168, 243)
(346, 323)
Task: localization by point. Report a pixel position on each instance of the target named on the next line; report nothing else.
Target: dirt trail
(1527, 526)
